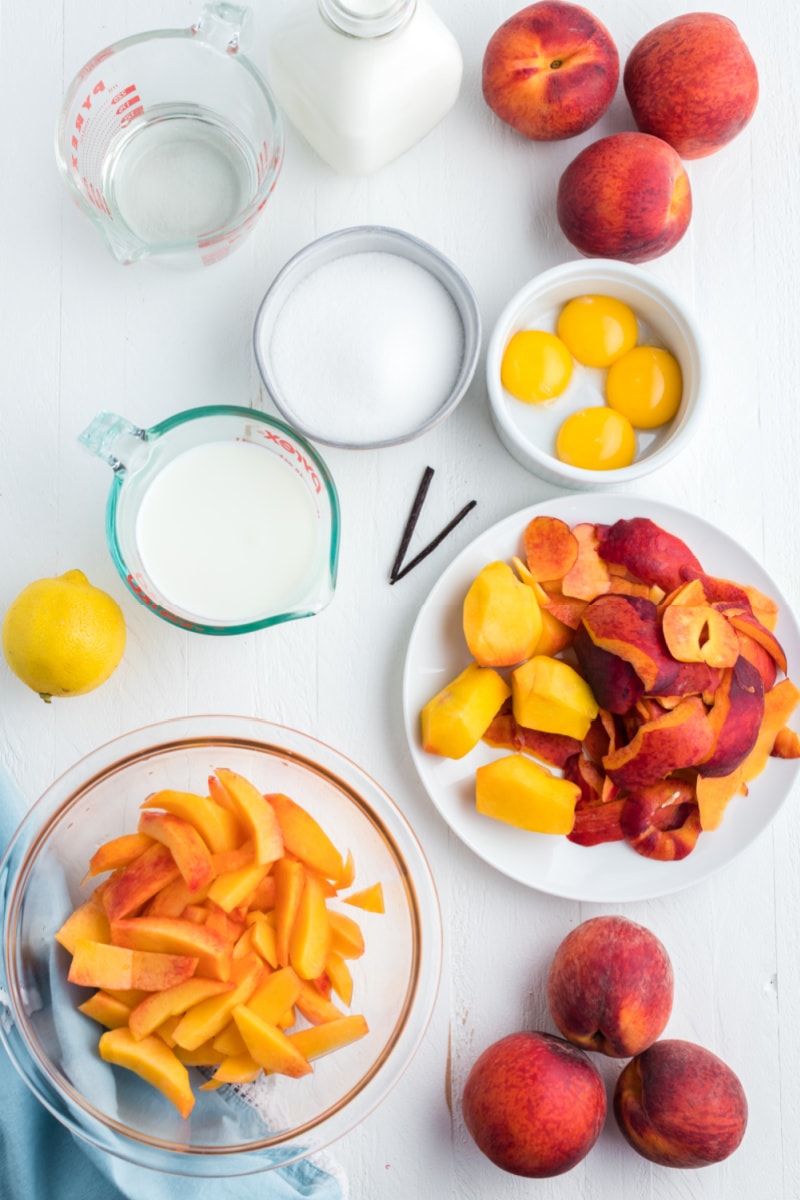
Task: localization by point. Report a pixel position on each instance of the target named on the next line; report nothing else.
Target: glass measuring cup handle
(223, 26)
(116, 440)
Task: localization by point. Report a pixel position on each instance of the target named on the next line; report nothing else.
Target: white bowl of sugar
(367, 337)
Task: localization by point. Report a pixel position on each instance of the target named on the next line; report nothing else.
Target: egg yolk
(536, 366)
(597, 439)
(597, 329)
(645, 385)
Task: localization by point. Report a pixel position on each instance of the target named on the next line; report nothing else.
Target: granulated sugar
(366, 348)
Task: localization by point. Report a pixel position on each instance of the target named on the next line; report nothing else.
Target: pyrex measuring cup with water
(170, 141)
(220, 519)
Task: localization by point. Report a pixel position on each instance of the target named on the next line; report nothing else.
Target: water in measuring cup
(181, 173)
(228, 532)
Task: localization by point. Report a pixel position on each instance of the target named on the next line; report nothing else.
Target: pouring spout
(222, 25)
(116, 440)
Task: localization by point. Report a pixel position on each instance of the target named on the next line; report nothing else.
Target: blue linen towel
(41, 1160)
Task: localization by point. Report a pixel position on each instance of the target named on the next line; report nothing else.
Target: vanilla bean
(411, 523)
(431, 546)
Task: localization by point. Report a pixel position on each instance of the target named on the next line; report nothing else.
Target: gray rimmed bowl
(340, 245)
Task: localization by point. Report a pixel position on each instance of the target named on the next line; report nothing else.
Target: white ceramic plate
(605, 873)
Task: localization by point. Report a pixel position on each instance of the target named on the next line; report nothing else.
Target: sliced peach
(192, 856)
(217, 826)
(173, 899)
(269, 1046)
(256, 814)
(146, 1017)
(87, 921)
(501, 617)
(230, 1042)
(369, 898)
(456, 718)
(346, 936)
(550, 548)
(322, 1039)
(173, 935)
(289, 882)
(106, 1009)
(263, 940)
(263, 896)
(310, 937)
(238, 1068)
(520, 792)
(549, 695)
(117, 852)
(203, 1055)
(233, 888)
(305, 838)
(239, 856)
(202, 1022)
(314, 1006)
(135, 884)
(680, 738)
(152, 1060)
(275, 995)
(100, 966)
(338, 972)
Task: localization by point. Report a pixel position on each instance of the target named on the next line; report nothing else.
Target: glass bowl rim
(424, 910)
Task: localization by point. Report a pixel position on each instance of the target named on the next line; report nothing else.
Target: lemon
(62, 636)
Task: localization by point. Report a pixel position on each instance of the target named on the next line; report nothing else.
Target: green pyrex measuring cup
(221, 519)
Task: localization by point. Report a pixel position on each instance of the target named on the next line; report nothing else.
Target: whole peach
(679, 1105)
(534, 1104)
(692, 82)
(626, 196)
(610, 986)
(550, 71)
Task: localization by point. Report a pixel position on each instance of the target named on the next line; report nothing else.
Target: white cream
(227, 532)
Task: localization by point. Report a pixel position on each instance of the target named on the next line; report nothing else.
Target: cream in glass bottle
(363, 80)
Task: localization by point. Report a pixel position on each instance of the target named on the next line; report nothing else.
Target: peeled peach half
(501, 617)
(520, 792)
(456, 718)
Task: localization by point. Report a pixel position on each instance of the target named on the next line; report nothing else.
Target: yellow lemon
(62, 636)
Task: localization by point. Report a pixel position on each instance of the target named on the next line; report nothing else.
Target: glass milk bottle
(363, 80)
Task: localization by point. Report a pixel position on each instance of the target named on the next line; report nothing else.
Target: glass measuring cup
(170, 141)
(220, 519)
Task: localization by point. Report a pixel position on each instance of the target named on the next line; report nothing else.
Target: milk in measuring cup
(227, 531)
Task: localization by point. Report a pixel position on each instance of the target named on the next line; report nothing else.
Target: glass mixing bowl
(55, 1047)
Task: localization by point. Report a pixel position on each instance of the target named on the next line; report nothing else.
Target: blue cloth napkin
(40, 1158)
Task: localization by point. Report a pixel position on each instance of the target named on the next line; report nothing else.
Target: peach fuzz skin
(692, 82)
(534, 1104)
(679, 1105)
(610, 986)
(550, 71)
(626, 196)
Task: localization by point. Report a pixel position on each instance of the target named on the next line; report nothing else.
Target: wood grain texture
(80, 333)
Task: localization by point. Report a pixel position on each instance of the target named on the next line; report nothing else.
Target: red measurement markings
(129, 106)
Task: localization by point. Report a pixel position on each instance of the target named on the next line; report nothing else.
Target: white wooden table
(80, 333)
